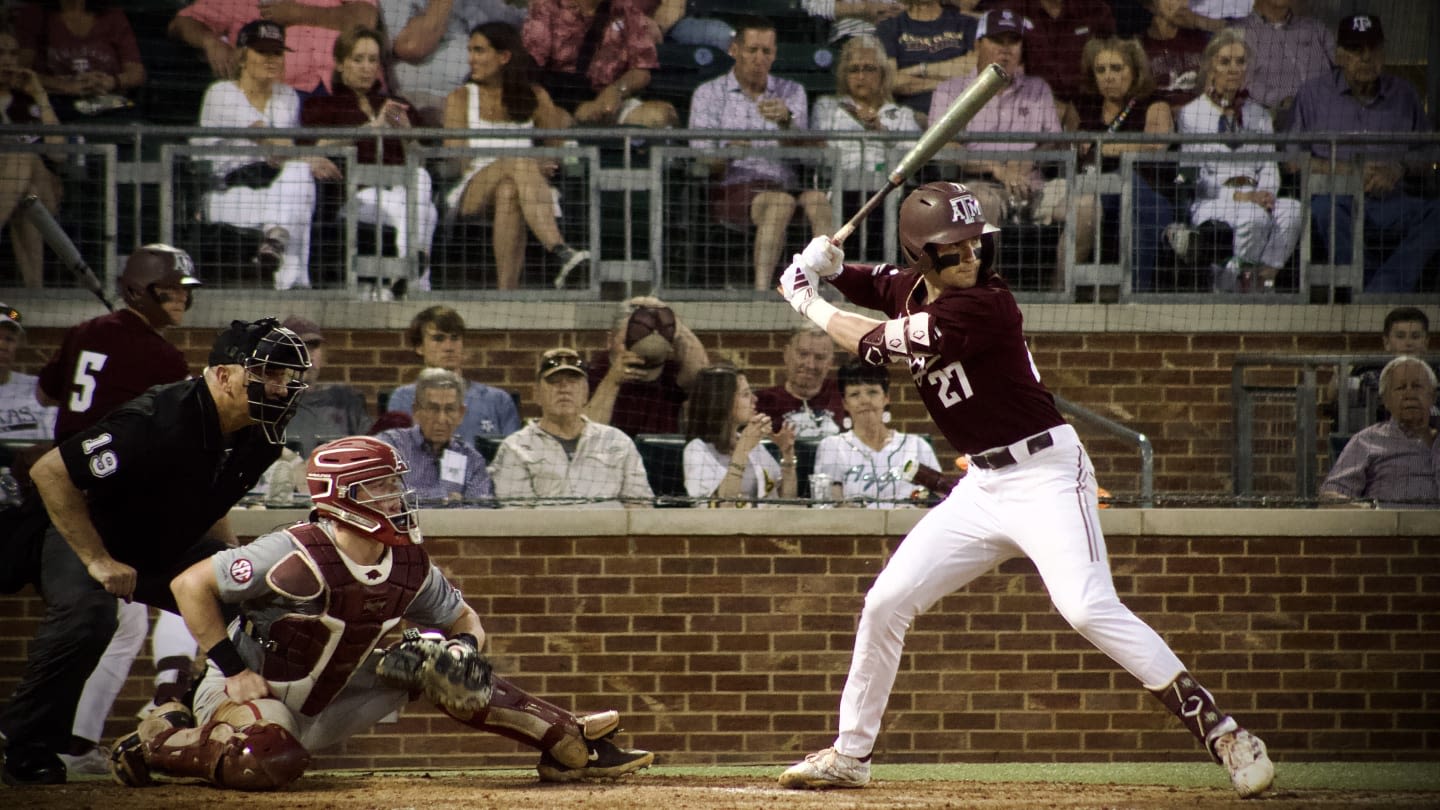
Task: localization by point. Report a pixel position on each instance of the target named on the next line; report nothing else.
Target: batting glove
(822, 257)
(799, 285)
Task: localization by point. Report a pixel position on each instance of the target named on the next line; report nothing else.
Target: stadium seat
(664, 457)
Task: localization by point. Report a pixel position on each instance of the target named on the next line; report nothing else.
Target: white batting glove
(822, 257)
(799, 285)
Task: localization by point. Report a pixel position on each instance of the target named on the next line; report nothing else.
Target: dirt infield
(647, 791)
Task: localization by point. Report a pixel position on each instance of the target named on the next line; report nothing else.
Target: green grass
(1377, 776)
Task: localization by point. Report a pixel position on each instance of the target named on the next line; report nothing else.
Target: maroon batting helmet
(151, 266)
(360, 481)
(943, 214)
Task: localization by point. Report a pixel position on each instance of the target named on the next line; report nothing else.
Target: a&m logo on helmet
(965, 208)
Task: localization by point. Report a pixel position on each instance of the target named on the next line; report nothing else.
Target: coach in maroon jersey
(108, 361)
(1030, 489)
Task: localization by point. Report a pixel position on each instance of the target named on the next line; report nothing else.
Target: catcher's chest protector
(325, 649)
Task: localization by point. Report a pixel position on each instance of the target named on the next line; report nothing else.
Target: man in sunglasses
(563, 458)
(133, 500)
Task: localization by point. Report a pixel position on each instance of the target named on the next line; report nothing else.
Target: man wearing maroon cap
(1361, 97)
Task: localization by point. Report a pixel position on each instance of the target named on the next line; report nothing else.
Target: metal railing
(1140, 440)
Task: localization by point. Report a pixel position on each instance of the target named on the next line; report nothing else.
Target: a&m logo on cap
(965, 208)
(1361, 23)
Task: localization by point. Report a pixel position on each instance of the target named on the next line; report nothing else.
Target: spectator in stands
(756, 190)
(677, 22)
(90, 59)
(501, 96)
(1288, 49)
(215, 27)
(854, 18)
(445, 467)
(927, 44)
(430, 41)
(865, 463)
(1174, 42)
(23, 101)
(437, 334)
(328, 410)
(723, 458)
(1406, 331)
(563, 458)
(1243, 194)
(640, 382)
(864, 101)
(596, 56)
(1064, 26)
(1360, 97)
(21, 414)
(258, 193)
(1394, 464)
(1013, 191)
(1121, 98)
(357, 99)
(808, 400)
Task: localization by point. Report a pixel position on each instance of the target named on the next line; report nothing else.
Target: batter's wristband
(227, 658)
(821, 311)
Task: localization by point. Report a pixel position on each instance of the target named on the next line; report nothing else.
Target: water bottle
(821, 496)
(9, 490)
(280, 494)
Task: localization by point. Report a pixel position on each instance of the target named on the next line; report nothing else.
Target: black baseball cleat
(28, 765)
(607, 761)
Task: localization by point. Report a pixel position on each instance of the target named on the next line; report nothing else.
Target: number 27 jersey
(967, 354)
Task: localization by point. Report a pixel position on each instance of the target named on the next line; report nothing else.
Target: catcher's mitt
(452, 673)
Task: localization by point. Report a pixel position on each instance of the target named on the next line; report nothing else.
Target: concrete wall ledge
(795, 520)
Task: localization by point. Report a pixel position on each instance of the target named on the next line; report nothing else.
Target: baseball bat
(990, 81)
(35, 212)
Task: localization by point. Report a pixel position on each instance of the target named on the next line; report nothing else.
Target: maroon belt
(998, 459)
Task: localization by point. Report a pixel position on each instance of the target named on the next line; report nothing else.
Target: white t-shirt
(873, 476)
(21, 416)
(225, 105)
(705, 468)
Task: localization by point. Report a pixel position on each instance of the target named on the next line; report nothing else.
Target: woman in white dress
(1242, 193)
(864, 81)
(724, 460)
(500, 96)
(274, 195)
(865, 462)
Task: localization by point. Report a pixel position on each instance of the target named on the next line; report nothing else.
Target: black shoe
(570, 260)
(607, 761)
(32, 766)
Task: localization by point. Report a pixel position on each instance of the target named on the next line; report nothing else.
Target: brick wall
(723, 649)
(1173, 388)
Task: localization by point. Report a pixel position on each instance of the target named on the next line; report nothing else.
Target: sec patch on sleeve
(241, 570)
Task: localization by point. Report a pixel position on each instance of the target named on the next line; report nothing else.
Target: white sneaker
(94, 762)
(827, 769)
(1243, 755)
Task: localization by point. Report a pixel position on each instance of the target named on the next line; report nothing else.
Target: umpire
(133, 500)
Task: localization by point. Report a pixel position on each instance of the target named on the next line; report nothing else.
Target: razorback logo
(965, 208)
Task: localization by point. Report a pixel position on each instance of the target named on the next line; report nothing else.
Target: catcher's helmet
(943, 214)
(360, 481)
(275, 361)
(151, 266)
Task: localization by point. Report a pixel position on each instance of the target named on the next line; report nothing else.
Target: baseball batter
(1030, 489)
(298, 671)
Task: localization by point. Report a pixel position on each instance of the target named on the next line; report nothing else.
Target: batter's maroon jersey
(104, 363)
(967, 354)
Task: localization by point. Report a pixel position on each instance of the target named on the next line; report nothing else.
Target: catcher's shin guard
(1195, 707)
(512, 712)
(263, 756)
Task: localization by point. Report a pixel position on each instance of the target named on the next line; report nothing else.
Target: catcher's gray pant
(1043, 507)
(357, 708)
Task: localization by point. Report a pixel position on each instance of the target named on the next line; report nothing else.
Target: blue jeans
(1410, 225)
(1153, 211)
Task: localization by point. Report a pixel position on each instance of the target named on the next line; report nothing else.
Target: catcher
(298, 670)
